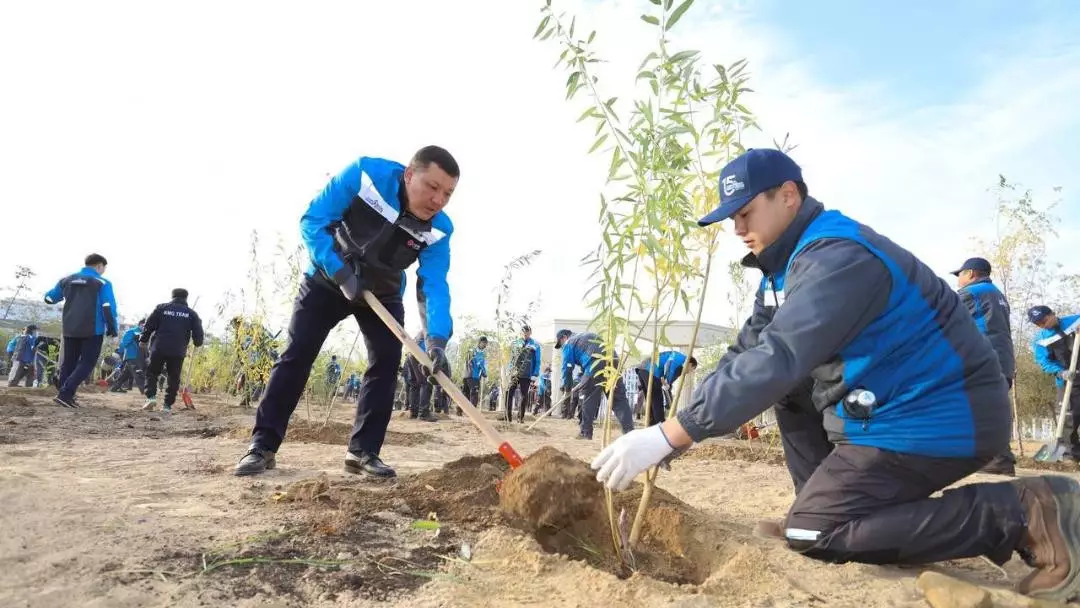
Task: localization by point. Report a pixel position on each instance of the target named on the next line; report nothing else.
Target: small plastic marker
(510, 455)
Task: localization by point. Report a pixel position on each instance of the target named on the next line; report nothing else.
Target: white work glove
(630, 455)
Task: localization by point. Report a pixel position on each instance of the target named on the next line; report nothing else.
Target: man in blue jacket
(990, 310)
(372, 221)
(585, 351)
(130, 360)
(525, 358)
(1053, 347)
(23, 358)
(476, 370)
(908, 390)
(669, 366)
(89, 315)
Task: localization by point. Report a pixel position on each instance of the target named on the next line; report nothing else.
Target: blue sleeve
(56, 294)
(107, 305)
(1042, 357)
(568, 366)
(483, 365)
(329, 207)
(536, 359)
(125, 342)
(11, 345)
(434, 266)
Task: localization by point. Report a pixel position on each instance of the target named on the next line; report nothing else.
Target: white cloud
(161, 136)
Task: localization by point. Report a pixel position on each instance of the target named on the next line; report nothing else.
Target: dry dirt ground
(111, 506)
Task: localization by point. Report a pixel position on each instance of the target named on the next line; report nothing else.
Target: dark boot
(255, 461)
(1051, 543)
(1002, 464)
(368, 464)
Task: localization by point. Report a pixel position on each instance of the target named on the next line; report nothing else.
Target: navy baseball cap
(752, 173)
(1038, 313)
(979, 264)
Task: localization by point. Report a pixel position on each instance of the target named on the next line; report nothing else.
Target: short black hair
(434, 154)
(979, 274)
(482, 339)
(180, 293)
(526, 328)
(94, 259)
(693, 361)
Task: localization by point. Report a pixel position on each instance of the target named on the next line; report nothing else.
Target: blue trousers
(80, 359)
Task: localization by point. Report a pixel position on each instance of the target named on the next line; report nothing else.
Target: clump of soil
(13, 400)
(558, 500)
(333, 433)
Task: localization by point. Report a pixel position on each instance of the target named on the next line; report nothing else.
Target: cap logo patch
(732, 185)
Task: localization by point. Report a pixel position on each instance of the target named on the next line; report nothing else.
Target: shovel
(446, 383)
(1056, 450)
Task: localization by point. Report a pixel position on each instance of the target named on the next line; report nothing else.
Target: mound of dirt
(745, 451)
(8, 399)
(558, 500)
(334, 433)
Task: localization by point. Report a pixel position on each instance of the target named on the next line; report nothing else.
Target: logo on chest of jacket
(376, 205)
(412, 244)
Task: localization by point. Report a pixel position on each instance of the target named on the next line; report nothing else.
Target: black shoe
(68, 402)
(428, 417)
(368, 464)
(255, 461)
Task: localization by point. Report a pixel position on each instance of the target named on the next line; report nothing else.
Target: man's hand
(350, 283)
(1066, 375)
(630, 455)
(437, 353)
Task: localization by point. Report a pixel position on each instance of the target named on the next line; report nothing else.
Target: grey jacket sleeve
(834, 289)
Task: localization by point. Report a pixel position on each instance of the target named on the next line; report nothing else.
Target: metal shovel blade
(1052, 452)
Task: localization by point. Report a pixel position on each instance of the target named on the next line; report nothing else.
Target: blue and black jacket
(356, 224)
(669, 365)
(1053, 347)
(23, 350)
(991, 313)
(129, 344)
(584, 351)
(526, 358)
(89, 304)
(852, 309)
(477, 365)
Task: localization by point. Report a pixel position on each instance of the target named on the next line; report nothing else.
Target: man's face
(428, 190)
(965, 278)
(526, 334)
(482, 345)
(1050, 321)
(761, 222)
(100, 268)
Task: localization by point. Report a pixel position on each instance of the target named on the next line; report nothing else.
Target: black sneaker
(369, 464)
(68, 402)
(428, 417)
(255, 461)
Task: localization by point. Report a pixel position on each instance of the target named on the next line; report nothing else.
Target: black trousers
(129, 375)
(590, 405)
(172, 367)
(79, 360)
(317, 310)
(471, 388)
(1074, 409)
(864, 504)
(522, 386)
(657, 411)
(21, 370)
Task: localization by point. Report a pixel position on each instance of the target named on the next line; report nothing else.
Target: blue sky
(123, 136)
